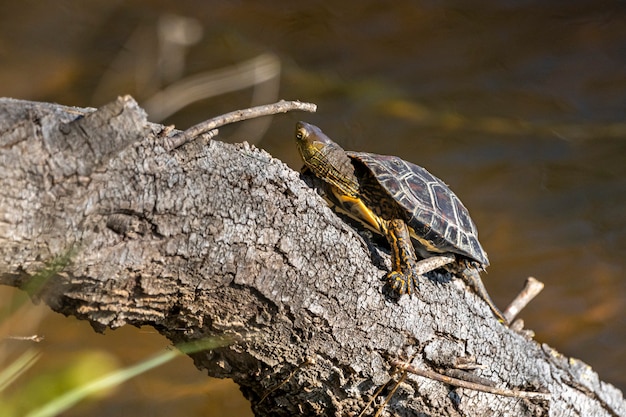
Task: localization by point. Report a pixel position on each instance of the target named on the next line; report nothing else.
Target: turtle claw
(405, 280)
(402, 283)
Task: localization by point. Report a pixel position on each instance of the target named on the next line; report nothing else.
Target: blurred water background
(518, 106)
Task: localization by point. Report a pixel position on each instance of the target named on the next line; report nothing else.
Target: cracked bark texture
(213, 239)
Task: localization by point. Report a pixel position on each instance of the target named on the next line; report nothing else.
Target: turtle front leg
(406, 268)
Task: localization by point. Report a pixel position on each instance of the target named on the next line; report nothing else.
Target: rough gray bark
(213, 239)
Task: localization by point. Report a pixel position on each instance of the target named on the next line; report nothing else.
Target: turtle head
(327, 160)
(311, 140)
(314, 145)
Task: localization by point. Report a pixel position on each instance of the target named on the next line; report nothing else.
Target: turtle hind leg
(404, 277)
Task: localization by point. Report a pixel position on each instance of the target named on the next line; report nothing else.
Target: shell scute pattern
(432, 209)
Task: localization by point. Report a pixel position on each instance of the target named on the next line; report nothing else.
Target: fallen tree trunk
(211, 239)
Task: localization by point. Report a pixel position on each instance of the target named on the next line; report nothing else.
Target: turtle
(414, 210)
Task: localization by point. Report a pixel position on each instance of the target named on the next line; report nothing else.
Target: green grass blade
(72, 397)
(18, 367)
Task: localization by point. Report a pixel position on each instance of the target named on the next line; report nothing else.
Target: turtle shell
(432, 210)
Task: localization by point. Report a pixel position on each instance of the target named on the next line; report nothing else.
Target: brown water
(518, 106)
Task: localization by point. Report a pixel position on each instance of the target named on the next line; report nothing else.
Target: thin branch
(236, 116)
(470, 385)
(33, 338)
(532, 287)
(376, 394)
(393, 391)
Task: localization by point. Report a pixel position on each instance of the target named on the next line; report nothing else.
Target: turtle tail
(471, 276)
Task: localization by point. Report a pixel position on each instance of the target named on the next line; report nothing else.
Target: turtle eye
(299, 134)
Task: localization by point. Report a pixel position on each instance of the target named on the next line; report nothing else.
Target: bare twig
(236, 116)
(531, 288)
(470, 385)
(376, 394)
(466, 376)
(393, 391)
(34, 338)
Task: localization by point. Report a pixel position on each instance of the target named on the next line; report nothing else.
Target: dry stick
(470, 385)
(530, 291)
(34, 338)
(236, 116)
(393, 391)
(376, 394)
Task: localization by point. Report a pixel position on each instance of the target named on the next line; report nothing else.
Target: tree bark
(212, 239)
